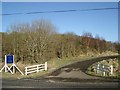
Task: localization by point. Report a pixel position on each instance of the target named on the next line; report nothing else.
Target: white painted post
(97, 69)
(13, 59)
(103, 72)
(13, 65)
(111, 69)
(5, 64)
(45, 66)
(25, 70)
(13, 69)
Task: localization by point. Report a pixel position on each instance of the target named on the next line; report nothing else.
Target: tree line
(39, 41)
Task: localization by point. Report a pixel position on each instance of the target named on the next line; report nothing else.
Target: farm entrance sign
(10, 66)
(9, 59)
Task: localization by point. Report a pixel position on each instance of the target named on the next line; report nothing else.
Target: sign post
(9, 59)
(6, 66)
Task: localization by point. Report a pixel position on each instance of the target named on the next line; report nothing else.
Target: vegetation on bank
(114, 62)
(53, 64)
(39, 41)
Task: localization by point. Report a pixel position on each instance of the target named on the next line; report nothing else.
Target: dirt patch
(75, 74)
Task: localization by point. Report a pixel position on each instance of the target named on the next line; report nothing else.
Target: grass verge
(52, 65)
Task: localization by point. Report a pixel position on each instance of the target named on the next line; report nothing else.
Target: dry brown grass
(52, 64)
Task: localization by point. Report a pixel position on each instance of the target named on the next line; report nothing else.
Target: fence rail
(104, 69)
(35, 68)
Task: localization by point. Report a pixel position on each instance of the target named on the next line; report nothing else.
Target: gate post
(97, 69)
(45, 66)
(111, 69)
(25, 70)
(103, 70)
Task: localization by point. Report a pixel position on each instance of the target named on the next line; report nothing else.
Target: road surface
(51, 84)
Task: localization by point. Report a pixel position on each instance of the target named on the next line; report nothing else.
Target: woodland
(39, 41)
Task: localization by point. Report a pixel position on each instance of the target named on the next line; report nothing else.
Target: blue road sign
(9, 58)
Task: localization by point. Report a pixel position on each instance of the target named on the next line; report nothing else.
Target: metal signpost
(9, 59)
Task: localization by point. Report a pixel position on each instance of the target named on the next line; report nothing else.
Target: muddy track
(82, 65)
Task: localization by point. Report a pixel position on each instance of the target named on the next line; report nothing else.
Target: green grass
(56, 63)
(19, 76)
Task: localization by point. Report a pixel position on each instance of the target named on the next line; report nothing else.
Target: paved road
(32, 83)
